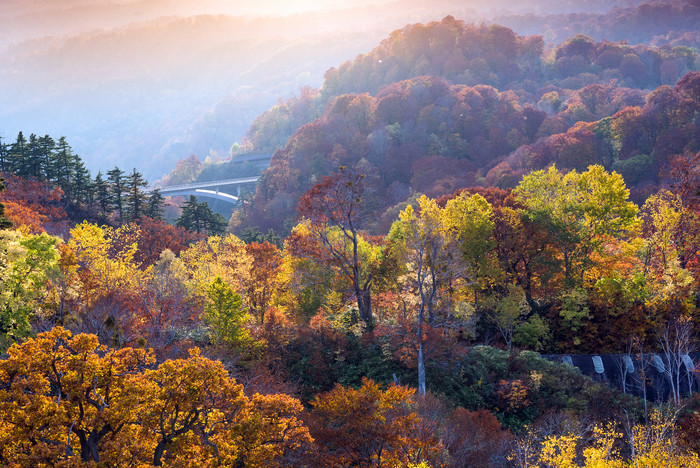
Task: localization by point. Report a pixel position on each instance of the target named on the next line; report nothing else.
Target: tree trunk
(421, 366)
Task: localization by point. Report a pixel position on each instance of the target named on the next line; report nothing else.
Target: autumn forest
(443, 223)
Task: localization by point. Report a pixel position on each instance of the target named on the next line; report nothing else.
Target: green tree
(102, 194)
(226, 317)
(580, 212)
(198, 217)
(135, 199)
(155, 205)
(63, 167)
(4, 222)
(18, 157)
(45, 150)
(116, 184)
(24, 265)
(81, 189)
(4, 166)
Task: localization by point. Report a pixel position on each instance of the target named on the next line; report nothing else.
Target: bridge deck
(207, 185)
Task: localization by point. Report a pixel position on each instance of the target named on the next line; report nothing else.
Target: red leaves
(35, 205)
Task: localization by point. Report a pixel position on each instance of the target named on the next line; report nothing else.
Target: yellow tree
(105, 258)
(423, 243)
(196, 415)
(67, 400)
(225, 257)
(65, 397)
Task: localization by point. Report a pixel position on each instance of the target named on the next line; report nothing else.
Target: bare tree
(676, 342)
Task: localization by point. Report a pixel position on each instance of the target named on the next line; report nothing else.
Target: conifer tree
(45, 159)
(63, 167)
(101, 190)
(135, 199)
(115, 177)
(198, 217)
(156, 205)
(4, 222)
(18, 157)
(33, 158)
(3, 157)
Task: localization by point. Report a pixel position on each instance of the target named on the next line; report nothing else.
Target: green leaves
(226, 317)
(25, 262)
(580, 212)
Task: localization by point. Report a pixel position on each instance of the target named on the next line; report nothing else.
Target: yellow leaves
(68, 400)
(225, 257)
(559, 452)
(106, 258)
(652, 446)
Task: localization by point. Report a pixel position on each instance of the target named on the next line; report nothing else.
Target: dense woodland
(443, 210)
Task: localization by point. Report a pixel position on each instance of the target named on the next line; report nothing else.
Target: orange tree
(66, 400)
(369, 427)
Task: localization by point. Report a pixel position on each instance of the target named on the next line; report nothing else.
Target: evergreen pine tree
(3, 157)
(34, 158)
(156, 205)
(18, 157)
(135, 199)
(198, 217)
(80, 187)
(4, 222)
(62, 168)
(45, 155)
(189, 218)
(115, 179)
(101, 190)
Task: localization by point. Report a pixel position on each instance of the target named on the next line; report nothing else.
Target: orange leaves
(66, 399)
(33, 206)
(368, 426)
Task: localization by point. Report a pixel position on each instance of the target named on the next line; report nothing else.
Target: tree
(425, 244)
(199, 218)
(4, 222)
(226, 317)
(580, 212)
(18, 157)
(267, 260)
(68, 400)
(116, 189)
(135, 200)
(4, 165)
(162, 307)
(336, 203)
(155, 205)
(676, 341)
(102, 194)
(58, 390)
(368, 426)
(25, 262)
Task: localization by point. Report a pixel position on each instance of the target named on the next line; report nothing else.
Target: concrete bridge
(228, 190)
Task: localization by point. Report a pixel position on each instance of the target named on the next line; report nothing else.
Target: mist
(145, 83)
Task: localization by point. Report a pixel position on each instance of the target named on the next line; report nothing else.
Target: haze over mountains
(145, 83)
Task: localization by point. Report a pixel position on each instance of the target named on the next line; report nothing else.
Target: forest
(442, 221)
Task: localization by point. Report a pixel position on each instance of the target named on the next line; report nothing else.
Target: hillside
(435, 130)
